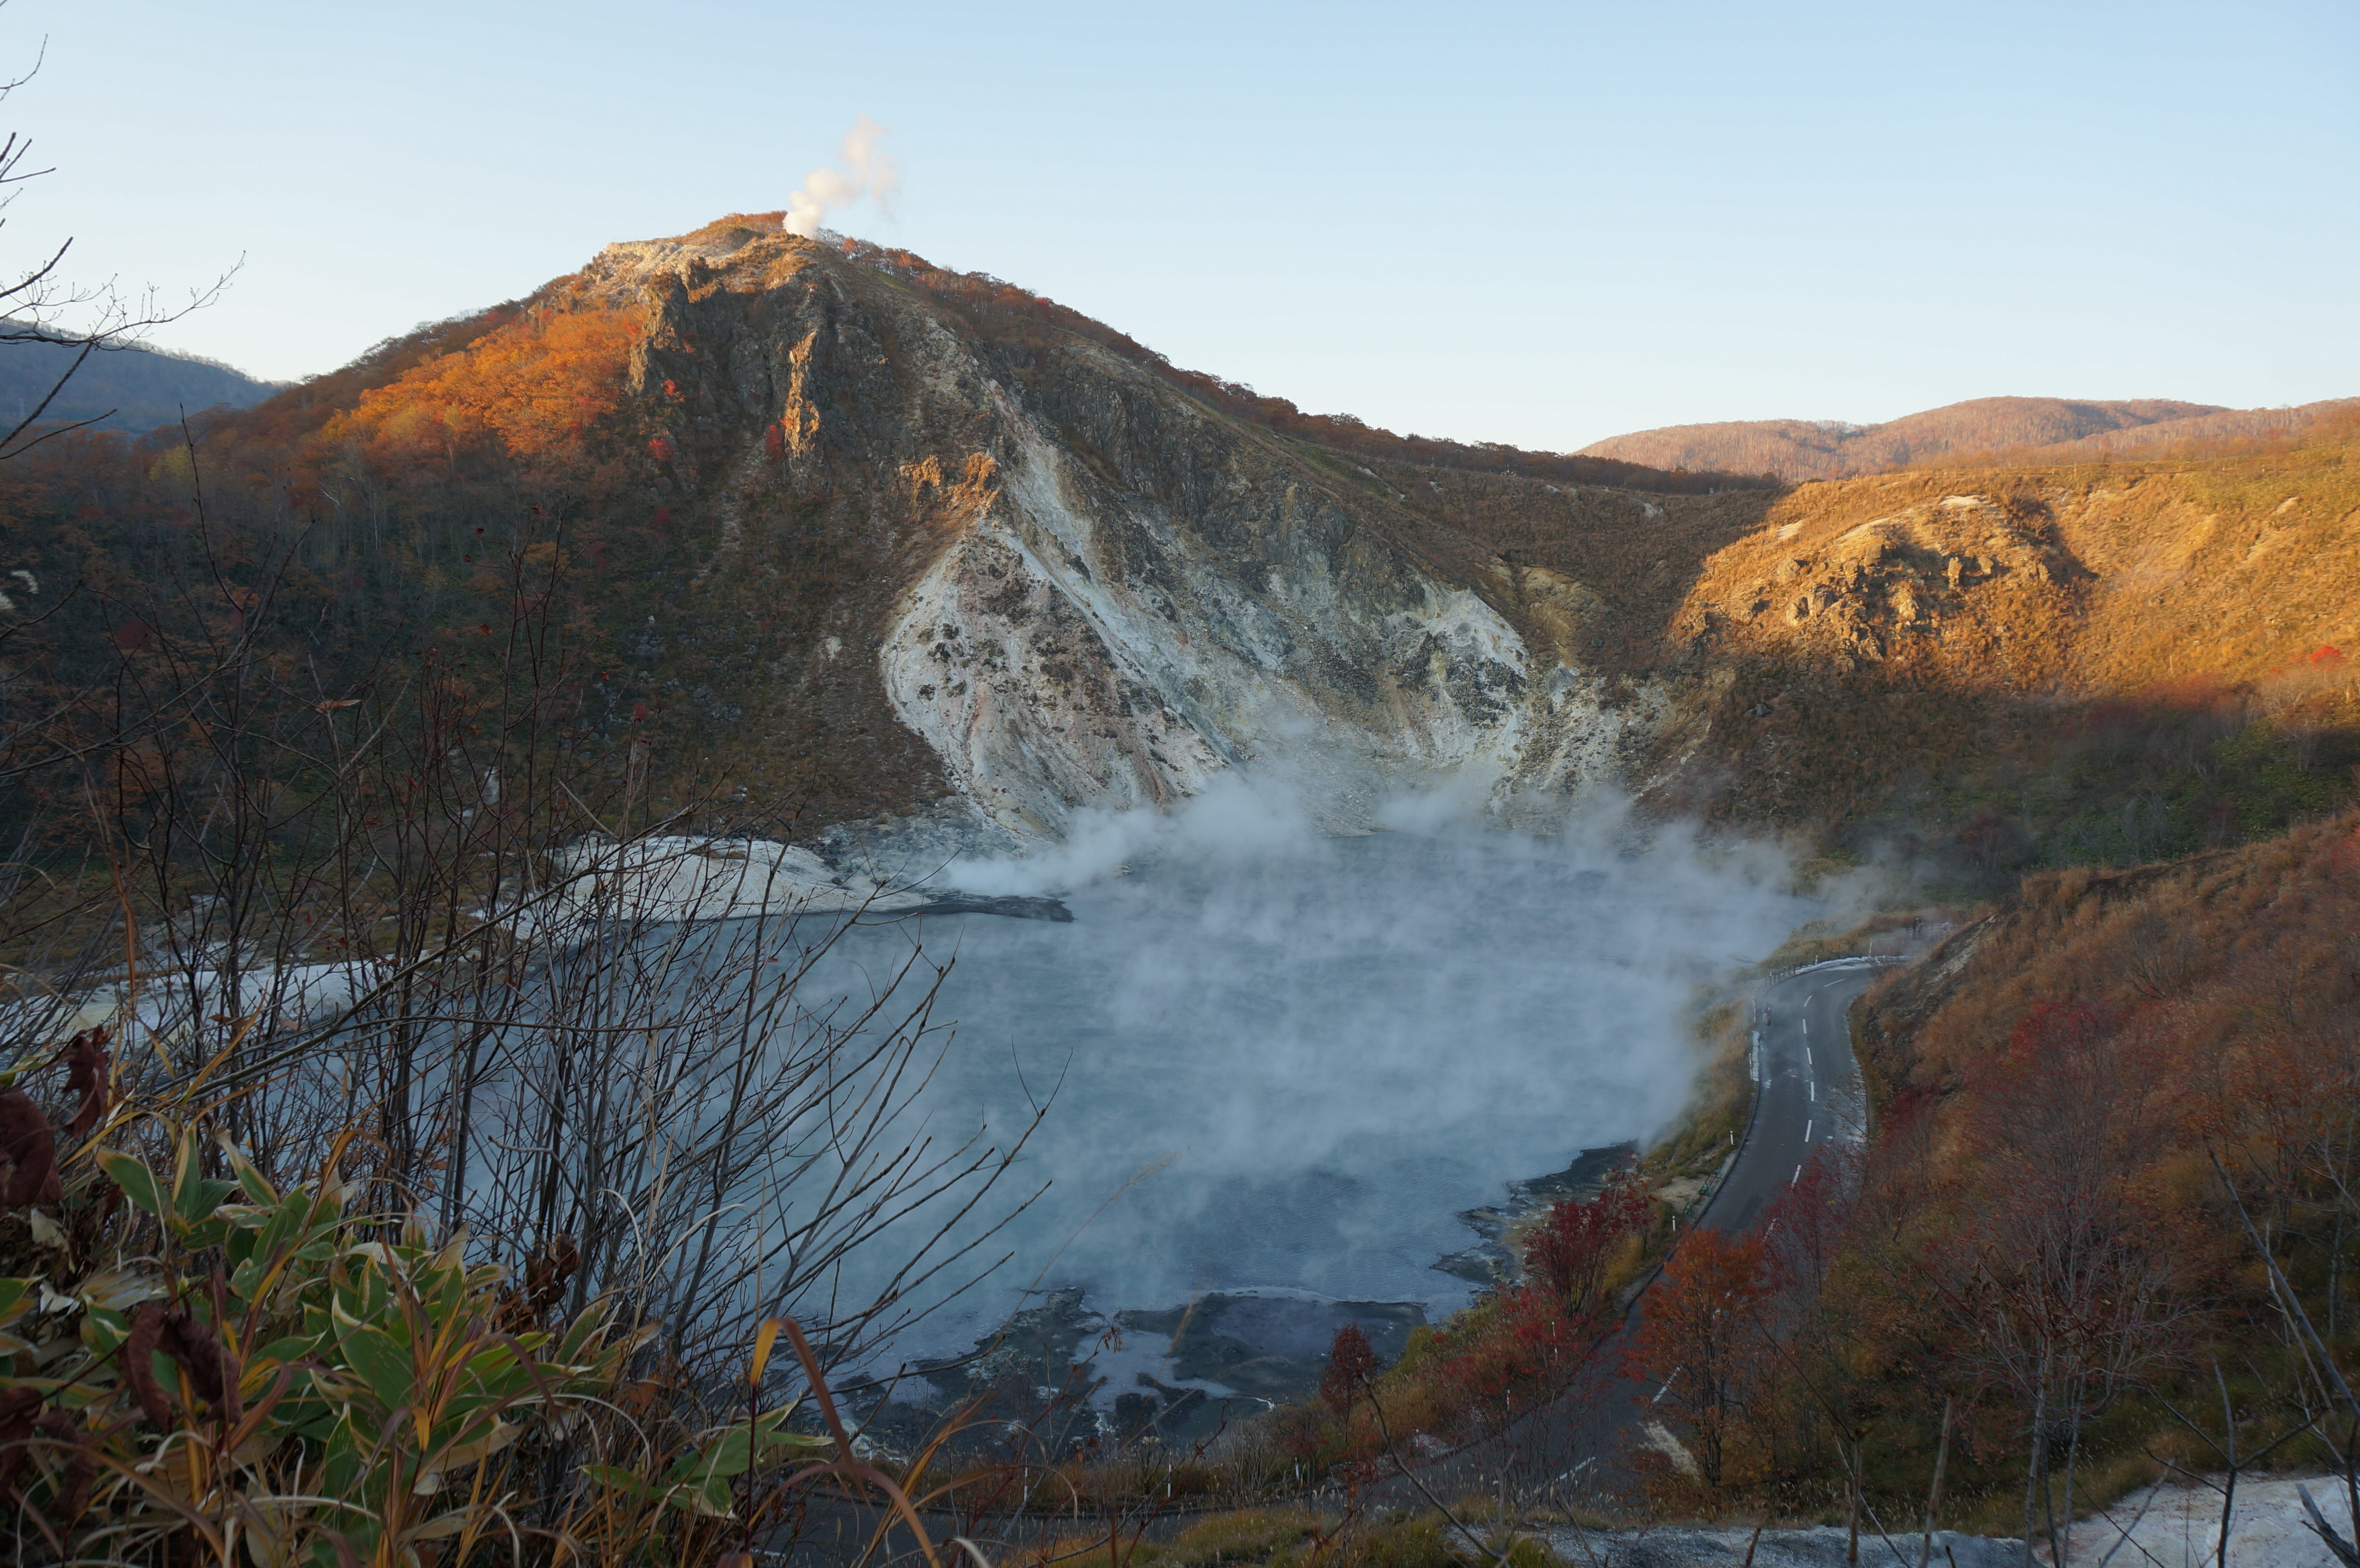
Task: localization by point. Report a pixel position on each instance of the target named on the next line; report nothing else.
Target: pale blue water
(1292, 1070)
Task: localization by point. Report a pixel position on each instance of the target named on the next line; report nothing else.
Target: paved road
(1808, 1091)
(1575, 1449)
(1808, 1088)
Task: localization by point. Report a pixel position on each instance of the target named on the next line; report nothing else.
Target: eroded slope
(1078, 586)
(845, 536)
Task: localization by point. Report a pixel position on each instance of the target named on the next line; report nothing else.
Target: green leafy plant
(286, 1382)
(282, 1379)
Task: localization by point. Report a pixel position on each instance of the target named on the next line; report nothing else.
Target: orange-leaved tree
(1351, 1362)
(1698, 1342)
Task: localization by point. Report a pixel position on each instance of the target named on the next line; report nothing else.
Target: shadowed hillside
(132, 388)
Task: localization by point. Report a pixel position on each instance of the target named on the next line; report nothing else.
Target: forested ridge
(1984, 431)
(132, 388)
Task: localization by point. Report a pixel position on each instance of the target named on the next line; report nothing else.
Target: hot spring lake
(1287, 1067)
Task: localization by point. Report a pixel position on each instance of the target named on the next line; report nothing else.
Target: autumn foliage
(1699, 1336)
(1520, 1348)
(537, 385)
(1570, 1249)
(2094, 1107)
(1351, 1364)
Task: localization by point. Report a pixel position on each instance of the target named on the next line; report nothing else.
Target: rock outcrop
(1943, 580)
(1081, 587)
(904, 555)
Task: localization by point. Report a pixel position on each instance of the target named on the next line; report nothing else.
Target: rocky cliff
(1078, 586)
(1075, 583)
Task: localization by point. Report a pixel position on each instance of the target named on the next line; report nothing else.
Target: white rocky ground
(2179, 1526)
(686, 878)
(657, 879)
(1043, 666)
(2174, 1525)
(1822, 1547)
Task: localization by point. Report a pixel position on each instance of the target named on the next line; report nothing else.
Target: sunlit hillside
(1984, 669)
(2040, 666)
(1984, 431)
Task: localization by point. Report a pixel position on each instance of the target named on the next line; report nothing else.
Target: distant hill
(2202, 435)
(2026, 429)
(125, 389)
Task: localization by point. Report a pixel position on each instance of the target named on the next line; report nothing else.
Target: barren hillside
(2106, 662)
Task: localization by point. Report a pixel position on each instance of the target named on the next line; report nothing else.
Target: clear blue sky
(1535, 223)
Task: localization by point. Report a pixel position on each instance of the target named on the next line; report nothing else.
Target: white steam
(1342, 1043)
(867, 171)
(1234, 816)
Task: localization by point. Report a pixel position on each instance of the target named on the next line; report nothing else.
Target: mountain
(2047, 666)
(2199, 435)
(938, 560)
(883, 538)
(2027, 430)
(131, 389)
(740, 535)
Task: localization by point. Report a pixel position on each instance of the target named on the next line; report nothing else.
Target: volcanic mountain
(922, 552)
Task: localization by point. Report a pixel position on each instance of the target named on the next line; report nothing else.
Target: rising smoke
(1235, 815)
(867, 171)
(1321, 1049)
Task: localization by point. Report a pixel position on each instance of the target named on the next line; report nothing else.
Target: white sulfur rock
(685, 878)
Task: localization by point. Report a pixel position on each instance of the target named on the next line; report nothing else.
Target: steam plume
(1347, 1040)
(867, 171)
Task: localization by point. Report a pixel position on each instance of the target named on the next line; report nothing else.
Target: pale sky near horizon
(1542, 224)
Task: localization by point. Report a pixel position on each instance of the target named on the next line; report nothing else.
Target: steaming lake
(1287, 1067)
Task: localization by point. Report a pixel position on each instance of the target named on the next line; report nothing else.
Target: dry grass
(2012, 668)
(2227, 985)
